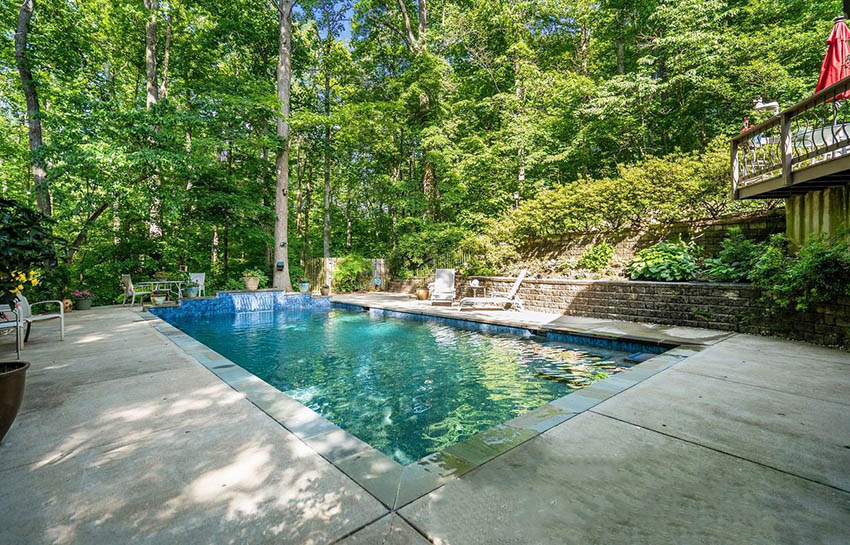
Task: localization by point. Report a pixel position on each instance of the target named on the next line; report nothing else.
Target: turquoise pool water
(408, 388)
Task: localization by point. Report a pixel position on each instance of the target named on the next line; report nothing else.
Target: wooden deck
(803, 148)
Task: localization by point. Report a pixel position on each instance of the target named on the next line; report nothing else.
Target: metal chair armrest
(51, 301)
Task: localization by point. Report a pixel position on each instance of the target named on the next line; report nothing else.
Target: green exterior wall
(826, 212)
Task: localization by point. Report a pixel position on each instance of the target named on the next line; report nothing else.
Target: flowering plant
(26, 246)
(81, 294)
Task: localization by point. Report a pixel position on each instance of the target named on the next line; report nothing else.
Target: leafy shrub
(26, 244)
(256, 273)
(351, 273)
(666, 261)
(596, 258)
(296, 274)
(417, 249)
(819, 272)
(736, 258)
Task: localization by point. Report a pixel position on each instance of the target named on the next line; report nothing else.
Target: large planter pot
(12, 379)
(422, 293)
(158, 299)
(251, 283)
(304, 287)
(82, 304)
(191, 292)
(325, 291)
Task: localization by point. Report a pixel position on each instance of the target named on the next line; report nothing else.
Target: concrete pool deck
(124, 437)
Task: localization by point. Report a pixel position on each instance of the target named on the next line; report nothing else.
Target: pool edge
(391, 483)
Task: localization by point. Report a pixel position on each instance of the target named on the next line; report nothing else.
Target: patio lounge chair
(27, 317)
(443, 287)
(498, 301)
(129, 290)
(199, 279)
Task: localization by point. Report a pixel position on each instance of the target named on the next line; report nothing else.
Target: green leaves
(666, 261)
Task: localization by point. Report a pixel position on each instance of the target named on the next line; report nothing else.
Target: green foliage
(736, 258)
(818, 273)
(619, 130)
(418, 249)
(297, 274)
(351, 273)
(597, 258)
(26, 246)
(256, 273)
(666, 261)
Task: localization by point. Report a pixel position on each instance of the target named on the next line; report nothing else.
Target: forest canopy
(411, 121)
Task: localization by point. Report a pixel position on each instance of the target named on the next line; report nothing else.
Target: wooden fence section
(319, 274)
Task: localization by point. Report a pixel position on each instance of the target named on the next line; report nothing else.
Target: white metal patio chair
(498, 301)
(443, 287)
(28, 318)
(10, 319)
(129, 290)
(199, 279)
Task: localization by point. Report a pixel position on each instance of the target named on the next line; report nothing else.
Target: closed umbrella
(835, 64)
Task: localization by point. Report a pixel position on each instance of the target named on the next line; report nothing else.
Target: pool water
(408, 388)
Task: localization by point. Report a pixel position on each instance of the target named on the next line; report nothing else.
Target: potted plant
(422, 292)
(325, 290)
(82, 299)
(158, 297)
(191, 289)
(253, 278)
(28, 243)
(13, 376)
(303, 284)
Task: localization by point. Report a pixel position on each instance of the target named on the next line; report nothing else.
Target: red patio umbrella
(835, 65)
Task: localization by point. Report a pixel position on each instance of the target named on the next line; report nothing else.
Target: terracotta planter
(68, 304)
(82, 304)
(325, 290)
(13, 376)
(422, 293)
(157, 299)
(251, 283)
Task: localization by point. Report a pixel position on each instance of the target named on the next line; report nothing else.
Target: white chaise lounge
(498, 301)
(443, 287)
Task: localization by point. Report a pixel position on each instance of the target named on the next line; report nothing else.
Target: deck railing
(812, 131)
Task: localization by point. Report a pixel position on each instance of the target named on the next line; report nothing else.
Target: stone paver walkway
(125, 438)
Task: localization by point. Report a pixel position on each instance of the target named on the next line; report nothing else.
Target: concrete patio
(124, 437)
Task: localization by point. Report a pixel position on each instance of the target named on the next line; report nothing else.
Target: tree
(284, 82)
(39, 170)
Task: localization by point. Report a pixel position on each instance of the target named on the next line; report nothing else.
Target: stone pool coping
(393, 484)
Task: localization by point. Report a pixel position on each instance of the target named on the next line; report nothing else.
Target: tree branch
(81, 236)
(407, 27)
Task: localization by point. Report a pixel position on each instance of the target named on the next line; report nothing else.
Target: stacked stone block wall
(730, 307)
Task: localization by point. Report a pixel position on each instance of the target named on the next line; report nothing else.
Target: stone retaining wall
(730, 307)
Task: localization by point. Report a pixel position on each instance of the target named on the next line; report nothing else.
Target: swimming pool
(407, 387)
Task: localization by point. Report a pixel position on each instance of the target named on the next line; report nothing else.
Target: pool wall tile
(228, 302)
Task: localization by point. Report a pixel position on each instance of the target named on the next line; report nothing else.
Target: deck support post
(735, 173)
(786, 148)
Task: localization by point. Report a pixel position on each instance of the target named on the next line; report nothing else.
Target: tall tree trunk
(150, 54)
(348, 222)
(152, 97)
(163, 88)
(585, 39)
(326, 230)
(39, 170)
(307, 190)
(284, 81)
(214, 246)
